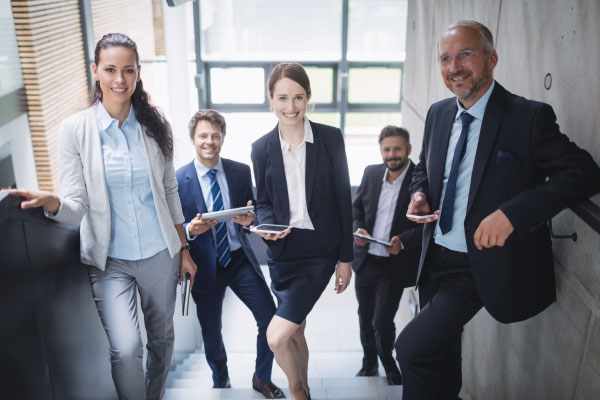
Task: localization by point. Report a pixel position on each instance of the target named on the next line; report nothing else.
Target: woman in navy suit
(302, 181)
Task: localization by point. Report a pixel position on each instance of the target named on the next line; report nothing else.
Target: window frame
(341, 68)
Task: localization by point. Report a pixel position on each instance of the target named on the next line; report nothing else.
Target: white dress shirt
(388, 197)
(294, 164)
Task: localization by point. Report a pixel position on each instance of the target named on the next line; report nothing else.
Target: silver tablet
(226, 215)
(269, 228)
(372, 239)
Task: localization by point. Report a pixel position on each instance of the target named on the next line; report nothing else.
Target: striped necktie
(222, 245)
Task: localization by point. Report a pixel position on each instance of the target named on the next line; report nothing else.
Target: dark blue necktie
(448, 205)
(223, 254)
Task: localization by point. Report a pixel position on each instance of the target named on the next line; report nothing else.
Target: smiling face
(207, 140)
(394, 152)
(468, 74)
(117, 72)
(289, 101)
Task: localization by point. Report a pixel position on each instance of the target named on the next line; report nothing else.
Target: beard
(401, 163)
(470, 93)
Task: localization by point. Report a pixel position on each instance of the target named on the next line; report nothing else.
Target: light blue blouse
(135, 232)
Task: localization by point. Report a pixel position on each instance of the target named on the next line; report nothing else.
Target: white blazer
(84, 194)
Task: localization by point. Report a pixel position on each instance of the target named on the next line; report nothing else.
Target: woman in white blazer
(118, 181)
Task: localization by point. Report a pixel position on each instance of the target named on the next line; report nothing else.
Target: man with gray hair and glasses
(494, 167)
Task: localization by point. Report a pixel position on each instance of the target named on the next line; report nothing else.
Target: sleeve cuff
(187, 233)
(52, 215)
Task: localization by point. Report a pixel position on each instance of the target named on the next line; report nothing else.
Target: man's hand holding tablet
(372, 239)
(419, 210)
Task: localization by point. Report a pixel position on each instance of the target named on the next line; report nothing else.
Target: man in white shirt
(222, 250)
(382, 272)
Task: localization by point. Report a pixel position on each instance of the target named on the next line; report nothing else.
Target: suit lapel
(439, 152)
(193, 188)
(490, 125)
(375, 188)
(275, 167)
(403, 194)
(232, 178)
(312, 159)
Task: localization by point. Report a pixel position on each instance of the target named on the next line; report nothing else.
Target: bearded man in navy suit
(222, 251)
(494, 167)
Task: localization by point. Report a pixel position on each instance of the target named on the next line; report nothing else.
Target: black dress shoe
(267, 389)
(226, 385)
(373, 371)
(394, 378)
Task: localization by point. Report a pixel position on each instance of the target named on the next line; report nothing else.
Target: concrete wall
(555, 355)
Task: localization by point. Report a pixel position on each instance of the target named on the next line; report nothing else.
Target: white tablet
(372, 239)
(420, 216)
(226, 215)
(269, 228)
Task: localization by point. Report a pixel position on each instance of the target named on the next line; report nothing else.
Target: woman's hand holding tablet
(226, 215)
(271, 231)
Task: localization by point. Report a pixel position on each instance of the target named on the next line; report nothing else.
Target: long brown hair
(157, 126)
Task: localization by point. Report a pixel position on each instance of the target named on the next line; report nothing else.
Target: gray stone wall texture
(555, 355)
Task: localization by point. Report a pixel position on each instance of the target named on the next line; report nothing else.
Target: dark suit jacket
(519, 146)
(364, 210)
(328, 194)
(202, 249)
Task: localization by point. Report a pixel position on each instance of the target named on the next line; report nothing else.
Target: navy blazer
(202, 249)
(328, 195)
(364, 210)
(520, 145)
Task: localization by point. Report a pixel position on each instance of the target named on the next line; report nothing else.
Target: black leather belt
(378, 258)
(447, 250)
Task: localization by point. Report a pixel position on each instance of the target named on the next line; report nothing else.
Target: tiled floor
(335, 354)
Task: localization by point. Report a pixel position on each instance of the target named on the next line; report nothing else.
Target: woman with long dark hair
(118, 181)
(302, 181)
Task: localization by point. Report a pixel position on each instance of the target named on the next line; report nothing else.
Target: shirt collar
(399, 178)
(203, 170)
(105, 120)
(478, 109)
(308, 136)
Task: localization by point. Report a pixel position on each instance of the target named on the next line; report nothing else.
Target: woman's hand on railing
(37, 198)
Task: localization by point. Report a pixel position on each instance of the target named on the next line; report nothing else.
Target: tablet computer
(269, 228)
(372, 239)
(226, 215)
(420, 216)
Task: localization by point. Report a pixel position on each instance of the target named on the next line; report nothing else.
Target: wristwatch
(185, 247)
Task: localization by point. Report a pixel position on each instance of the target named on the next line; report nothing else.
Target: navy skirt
(300, 274)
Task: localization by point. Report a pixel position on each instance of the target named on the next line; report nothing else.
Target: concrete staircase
(331, 376)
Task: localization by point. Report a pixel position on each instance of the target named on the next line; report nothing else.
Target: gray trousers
(114, 291)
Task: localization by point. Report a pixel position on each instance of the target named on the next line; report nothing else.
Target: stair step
(346, 393)
(192, 379)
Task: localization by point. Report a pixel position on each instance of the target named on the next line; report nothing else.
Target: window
(266, 30)
(237, 85)
(358, 91)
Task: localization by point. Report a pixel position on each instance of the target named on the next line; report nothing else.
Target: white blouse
(294, 164)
